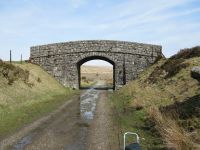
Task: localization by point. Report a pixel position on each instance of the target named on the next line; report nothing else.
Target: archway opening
(96, 72)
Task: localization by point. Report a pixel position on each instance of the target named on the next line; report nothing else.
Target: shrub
(83, 78)
(169, 69)
(13, 73)
(173, 66)
(137, 104)
(187, 53)
(159, 58)
(39, 80)
(30, 84)
(11, 81)
(26, 76)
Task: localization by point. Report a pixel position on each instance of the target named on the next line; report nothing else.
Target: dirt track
(102, 134)
(67, 130)
(57, 133)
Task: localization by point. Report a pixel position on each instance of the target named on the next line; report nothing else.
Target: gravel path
(102, 133)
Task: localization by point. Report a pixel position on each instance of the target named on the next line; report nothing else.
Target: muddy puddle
(88, 101)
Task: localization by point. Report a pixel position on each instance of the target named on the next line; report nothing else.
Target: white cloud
(40, 22)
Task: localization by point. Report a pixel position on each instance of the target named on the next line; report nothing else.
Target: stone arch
(129, 58)
(88, 58)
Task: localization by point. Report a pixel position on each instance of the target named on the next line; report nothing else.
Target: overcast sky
(174, 24)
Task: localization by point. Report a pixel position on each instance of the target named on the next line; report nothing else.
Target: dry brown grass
(173, 65)
(138, 104)
(91, 74)
(178, 93)
(20, 103)
(187, 53)
(13, 73)
(96, 69)
(175, 137)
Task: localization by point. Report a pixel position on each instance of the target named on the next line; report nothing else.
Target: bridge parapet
(98, 45)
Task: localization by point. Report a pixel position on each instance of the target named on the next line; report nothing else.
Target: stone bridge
(63, 60)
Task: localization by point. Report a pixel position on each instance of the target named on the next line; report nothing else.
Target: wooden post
(10, 56)
(21, 58)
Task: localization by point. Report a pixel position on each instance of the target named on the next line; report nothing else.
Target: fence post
(21, 58)
(10, 56)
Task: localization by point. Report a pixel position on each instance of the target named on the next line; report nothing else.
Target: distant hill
(96, 69)
(91, 74)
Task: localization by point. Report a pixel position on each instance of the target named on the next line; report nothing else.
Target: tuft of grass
(172, 134)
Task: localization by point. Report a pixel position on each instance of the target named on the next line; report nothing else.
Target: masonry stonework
(63, 60)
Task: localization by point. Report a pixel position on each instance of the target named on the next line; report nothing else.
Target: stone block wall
(62, 60)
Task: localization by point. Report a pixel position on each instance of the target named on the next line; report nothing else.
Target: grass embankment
(26, 93)
(163, 104)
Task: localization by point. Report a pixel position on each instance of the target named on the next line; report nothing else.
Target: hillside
(96, 69)
(163, 104)
(27, 92)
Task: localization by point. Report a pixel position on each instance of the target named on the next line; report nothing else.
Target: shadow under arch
(82, 61)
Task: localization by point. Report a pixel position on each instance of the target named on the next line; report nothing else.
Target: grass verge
(162, 105)
(21, 103)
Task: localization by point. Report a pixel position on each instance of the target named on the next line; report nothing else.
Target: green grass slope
(27, 92)
(163, 104)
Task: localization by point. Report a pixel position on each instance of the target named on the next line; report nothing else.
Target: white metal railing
(131, 133)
